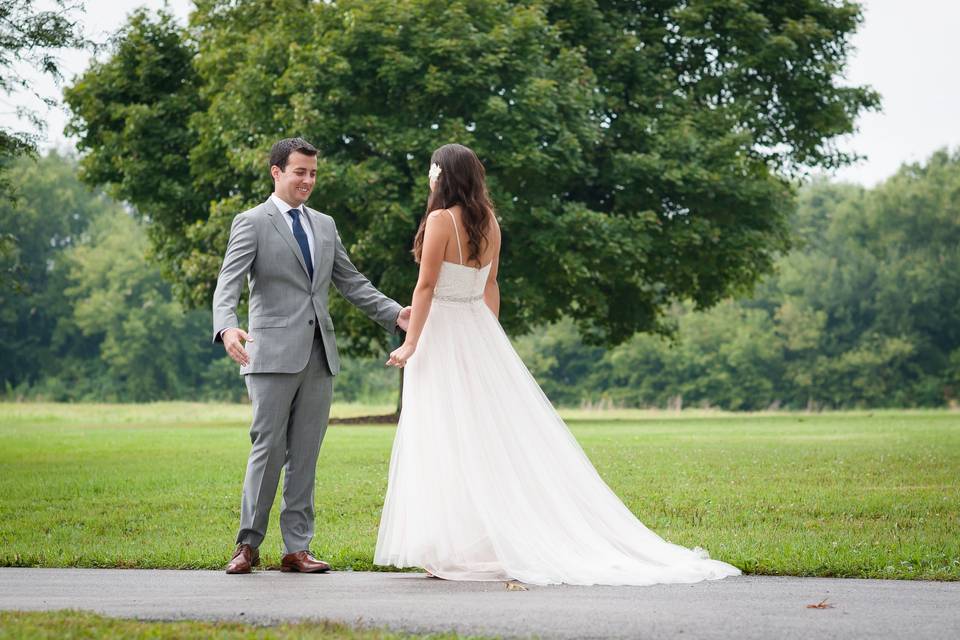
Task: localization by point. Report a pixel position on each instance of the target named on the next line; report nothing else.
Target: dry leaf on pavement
(820, 605)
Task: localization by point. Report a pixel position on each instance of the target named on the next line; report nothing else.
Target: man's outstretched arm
(357, 289)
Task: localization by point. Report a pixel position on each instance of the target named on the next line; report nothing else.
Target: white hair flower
(435, 172)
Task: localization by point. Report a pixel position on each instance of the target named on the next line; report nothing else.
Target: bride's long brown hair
(462, 182)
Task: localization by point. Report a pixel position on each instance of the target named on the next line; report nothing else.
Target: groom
(288, 356)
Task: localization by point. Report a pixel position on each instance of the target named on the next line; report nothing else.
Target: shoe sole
(288, 569)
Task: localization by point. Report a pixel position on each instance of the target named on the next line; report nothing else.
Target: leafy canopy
(638, 153)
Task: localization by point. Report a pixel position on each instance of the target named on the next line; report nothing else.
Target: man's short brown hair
(282, 149)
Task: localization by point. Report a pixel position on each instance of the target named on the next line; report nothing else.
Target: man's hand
(403, 318)
(233, 340)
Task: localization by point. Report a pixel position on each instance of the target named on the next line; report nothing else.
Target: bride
(486, 481)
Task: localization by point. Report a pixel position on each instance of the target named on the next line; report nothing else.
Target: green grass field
(860, 494)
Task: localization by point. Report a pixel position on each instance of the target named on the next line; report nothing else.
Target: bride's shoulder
(493, 225)
(438, 224)
(440, 218)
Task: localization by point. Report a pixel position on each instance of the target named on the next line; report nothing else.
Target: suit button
(310, 322)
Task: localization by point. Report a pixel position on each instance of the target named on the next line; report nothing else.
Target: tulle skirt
(487, 482)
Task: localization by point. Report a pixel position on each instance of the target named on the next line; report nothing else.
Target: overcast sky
(908, 51)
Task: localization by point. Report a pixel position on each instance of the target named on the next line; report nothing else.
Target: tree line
(642, 157)
(86, 316)
(863, 312)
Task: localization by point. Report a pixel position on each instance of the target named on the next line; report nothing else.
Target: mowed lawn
(860, 494)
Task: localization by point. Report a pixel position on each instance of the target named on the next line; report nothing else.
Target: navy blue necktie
(301, 237)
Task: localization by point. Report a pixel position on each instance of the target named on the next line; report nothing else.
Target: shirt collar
(283, 206)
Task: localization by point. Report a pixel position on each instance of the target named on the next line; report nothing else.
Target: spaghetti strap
(456, 233)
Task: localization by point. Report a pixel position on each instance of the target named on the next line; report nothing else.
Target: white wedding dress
(487, 482)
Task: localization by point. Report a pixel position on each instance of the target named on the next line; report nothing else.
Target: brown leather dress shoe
(244, 558)
(303, 562)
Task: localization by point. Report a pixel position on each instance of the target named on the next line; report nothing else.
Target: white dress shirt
(304, 222)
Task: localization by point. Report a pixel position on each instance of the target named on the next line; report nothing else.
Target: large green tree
(638, 153)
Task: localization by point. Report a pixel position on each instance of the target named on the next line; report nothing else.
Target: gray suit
(293, 357)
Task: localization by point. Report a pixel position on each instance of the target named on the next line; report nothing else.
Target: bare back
(457, 242)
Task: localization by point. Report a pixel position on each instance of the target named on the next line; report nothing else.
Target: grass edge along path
(71, 624)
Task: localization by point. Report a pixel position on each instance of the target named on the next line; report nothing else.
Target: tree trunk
(398, 340)
(400, 391)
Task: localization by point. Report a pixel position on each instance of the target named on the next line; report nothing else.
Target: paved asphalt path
(737, 607)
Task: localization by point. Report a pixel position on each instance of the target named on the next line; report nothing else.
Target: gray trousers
(290, 413)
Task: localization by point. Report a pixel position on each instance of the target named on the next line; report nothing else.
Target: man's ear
(275, 172)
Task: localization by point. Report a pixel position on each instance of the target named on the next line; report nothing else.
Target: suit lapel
(313, 221)
(276, 217)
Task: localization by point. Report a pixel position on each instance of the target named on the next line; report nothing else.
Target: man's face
(294, 184)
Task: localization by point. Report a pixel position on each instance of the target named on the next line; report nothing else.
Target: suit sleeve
(241, 250)
(356, 288)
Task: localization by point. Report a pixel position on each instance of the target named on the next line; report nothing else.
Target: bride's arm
(491, 291)
(435, 237)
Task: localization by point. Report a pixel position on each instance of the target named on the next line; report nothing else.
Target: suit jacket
(285, 306)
